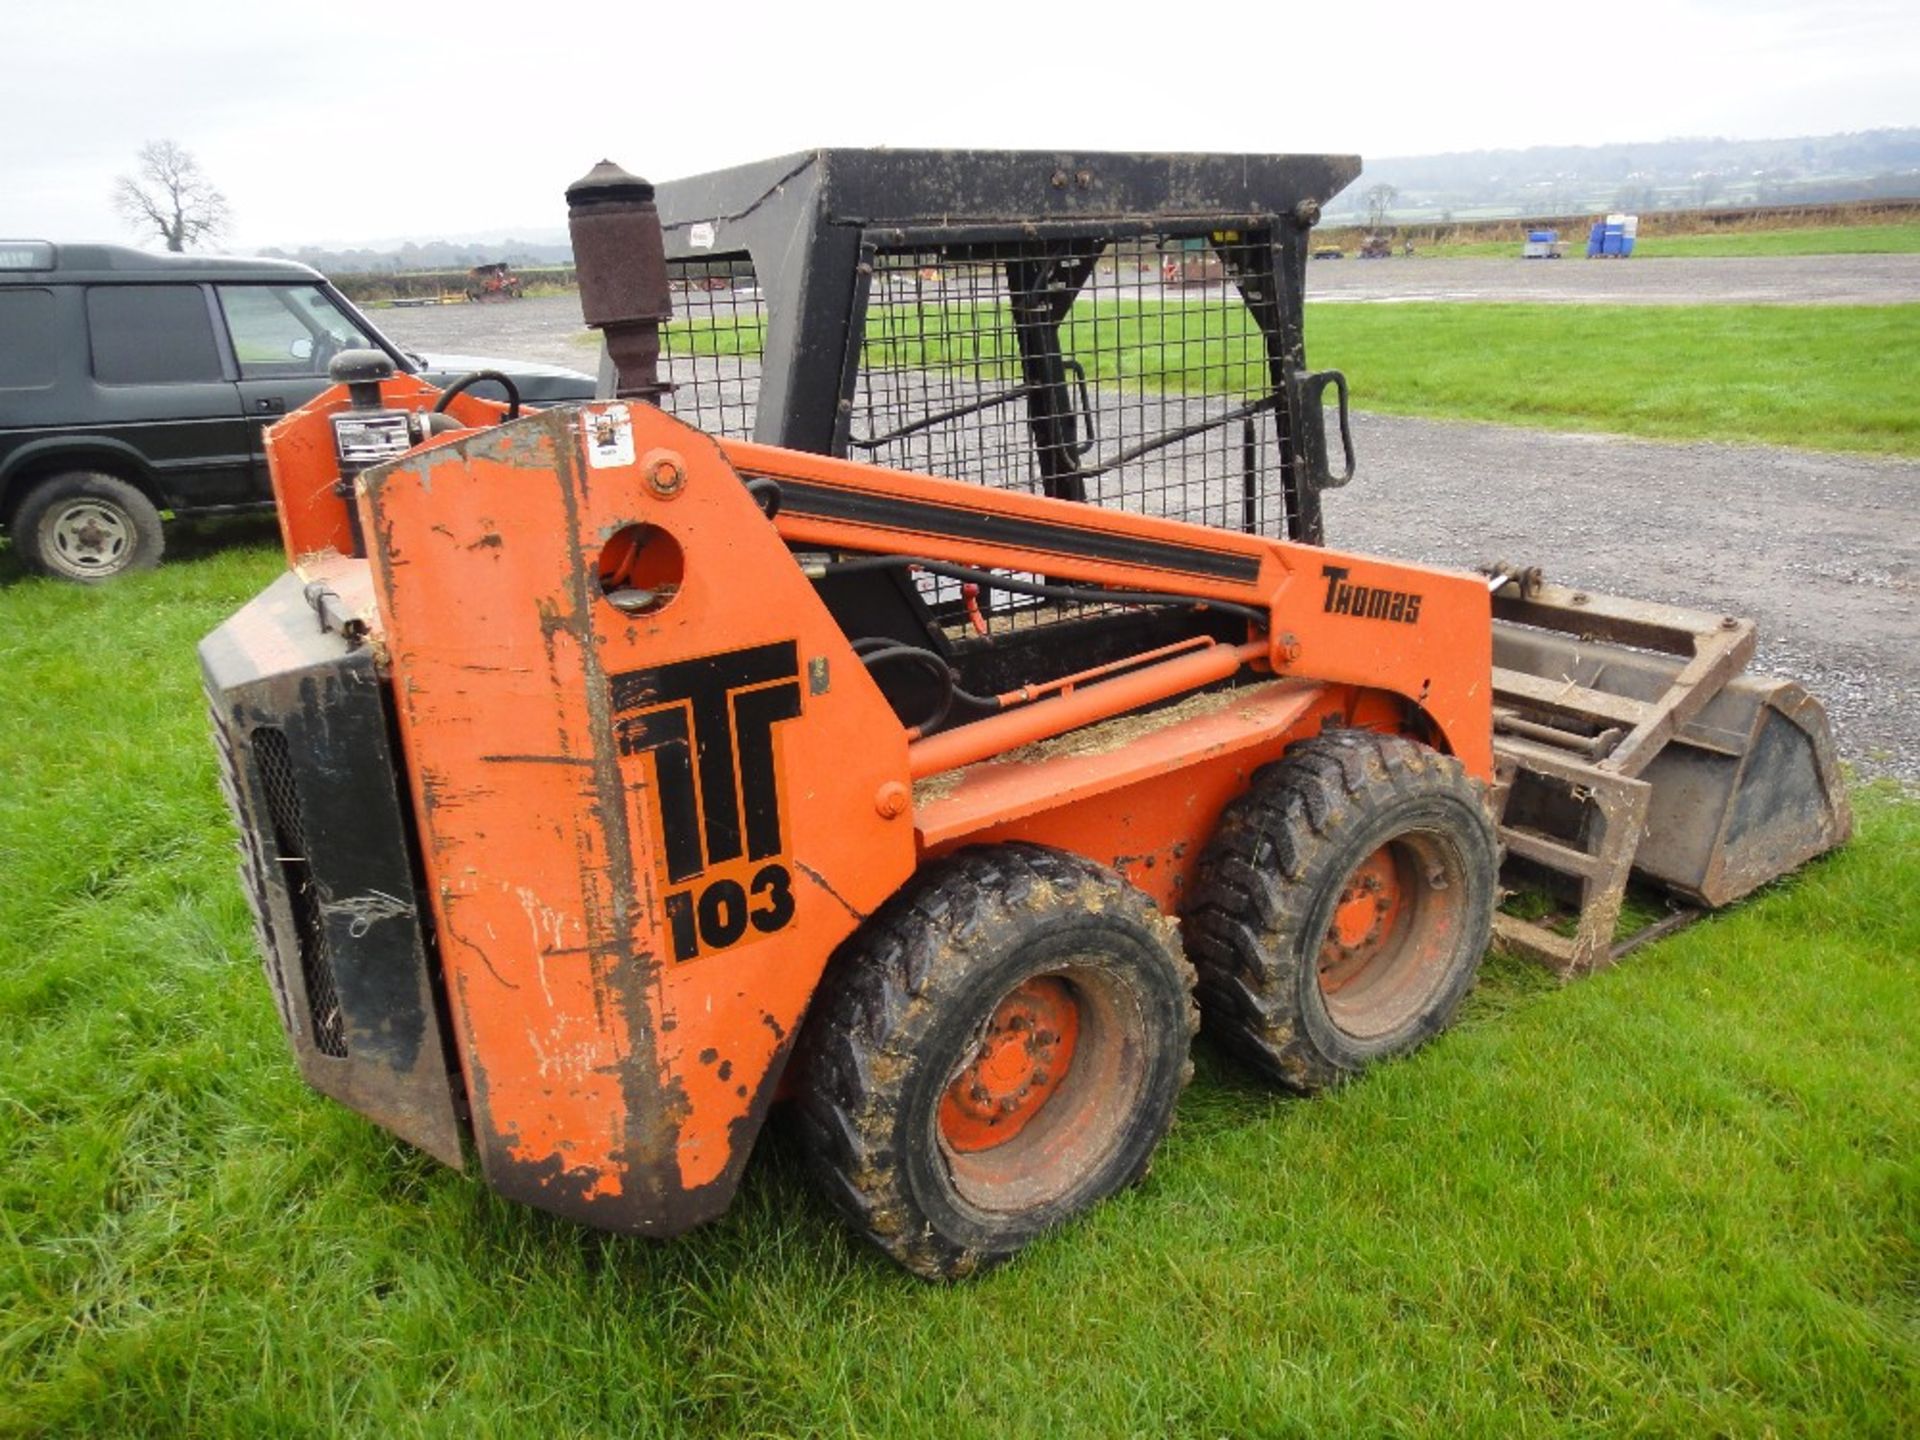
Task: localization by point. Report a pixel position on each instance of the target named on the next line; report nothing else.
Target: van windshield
(283, 330)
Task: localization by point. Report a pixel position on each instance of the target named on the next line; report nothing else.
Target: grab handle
(1309, 396)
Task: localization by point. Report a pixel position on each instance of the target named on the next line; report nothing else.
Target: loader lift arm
(1246, 600)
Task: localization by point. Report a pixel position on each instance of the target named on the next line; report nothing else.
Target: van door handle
(269, 405)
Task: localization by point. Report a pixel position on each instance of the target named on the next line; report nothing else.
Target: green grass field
(1818, 377)
(1896, 239)
(1680, 1198)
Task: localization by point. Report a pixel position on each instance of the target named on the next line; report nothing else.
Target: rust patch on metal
(656, 1104)
(859, 915)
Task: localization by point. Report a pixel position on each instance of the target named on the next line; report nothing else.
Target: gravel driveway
(1758, 280)
(546, 329)
(1823, 551)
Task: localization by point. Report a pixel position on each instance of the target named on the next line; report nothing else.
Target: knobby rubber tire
(1275, 870)
(37, 520)
(904, 1005)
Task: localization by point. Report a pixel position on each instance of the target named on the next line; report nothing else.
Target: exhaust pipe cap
(607, 183)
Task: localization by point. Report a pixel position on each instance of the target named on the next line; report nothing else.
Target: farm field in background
(1890, 239)
(1819, 377)
(1839, 228)
(1825, 230)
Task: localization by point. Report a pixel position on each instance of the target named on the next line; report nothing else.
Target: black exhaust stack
(620, 258)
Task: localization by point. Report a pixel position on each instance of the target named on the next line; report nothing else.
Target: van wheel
(1343, 906)
(997, 1050)
(87, 526)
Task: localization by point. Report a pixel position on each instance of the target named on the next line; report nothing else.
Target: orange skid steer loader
(601, 780)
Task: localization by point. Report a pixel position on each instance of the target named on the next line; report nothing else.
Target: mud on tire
(1342, 906)
(998, 1049)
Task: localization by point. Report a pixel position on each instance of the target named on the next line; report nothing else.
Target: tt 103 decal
(717, 812)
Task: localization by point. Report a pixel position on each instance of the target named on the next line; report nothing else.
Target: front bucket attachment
(1628, 742)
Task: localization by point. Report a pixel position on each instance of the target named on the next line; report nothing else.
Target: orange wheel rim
(1364, 919)
(1395, 922)
(1024, 1053)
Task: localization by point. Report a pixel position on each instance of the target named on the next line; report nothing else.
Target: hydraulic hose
(1090, 595)
(876, 650)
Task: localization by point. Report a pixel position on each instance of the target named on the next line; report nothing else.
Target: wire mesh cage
(1121, 330)
(1170, 407)
(1168, 399)
(710, 352)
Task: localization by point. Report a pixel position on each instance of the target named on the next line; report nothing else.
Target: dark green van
(136, 385)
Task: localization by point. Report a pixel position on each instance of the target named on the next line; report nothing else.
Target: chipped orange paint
(303, 467)
(606, 1076)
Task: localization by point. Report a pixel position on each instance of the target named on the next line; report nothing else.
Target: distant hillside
(1687, 174)
(434, 255)
(1469, 185)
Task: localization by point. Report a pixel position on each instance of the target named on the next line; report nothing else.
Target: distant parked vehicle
(1542, 245)
(1328, 252)
(493, 282)
(134, 385)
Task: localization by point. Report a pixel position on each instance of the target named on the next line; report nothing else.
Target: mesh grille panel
(1130, 373)
(1127, 374)
(1133, 373)
(289, 842)
(253, 867)
(710, 351)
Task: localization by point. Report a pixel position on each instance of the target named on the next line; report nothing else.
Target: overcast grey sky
(354, 122)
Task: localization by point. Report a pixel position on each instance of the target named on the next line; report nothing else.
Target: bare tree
(169, 197)
(1378, 199)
